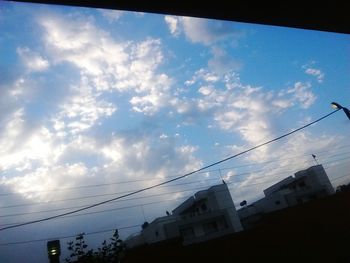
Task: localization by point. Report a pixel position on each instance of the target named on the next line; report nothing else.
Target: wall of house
(306, 185)
(208, 213)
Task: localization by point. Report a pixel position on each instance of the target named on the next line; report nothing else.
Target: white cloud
(173, 24)
(242, 109)
(34, 184)
(32, 60)
(282, 103)
(302, 93)
(78, 41)
(110, 65)
(82, 110)
(23, 150)
(200, 30)
(112, 15)
(316, 73)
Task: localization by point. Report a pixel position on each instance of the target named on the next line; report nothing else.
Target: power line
(174, 179)
(203, 187)
(108, 230)
(155, 202)
(131, 206)
(180, 184)
(137, 205)
(152, 179)
(107, 194)
(65, 237)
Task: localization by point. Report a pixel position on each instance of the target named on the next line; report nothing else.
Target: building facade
(305, 185)
(207, 214)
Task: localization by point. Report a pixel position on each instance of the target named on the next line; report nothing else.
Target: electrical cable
(65, 237)
(187, 183)
(151, 179)
(103, 231)
(174, 179)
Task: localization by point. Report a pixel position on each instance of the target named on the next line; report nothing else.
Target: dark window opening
(277, 202)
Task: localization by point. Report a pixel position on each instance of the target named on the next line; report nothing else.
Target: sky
(98, 103)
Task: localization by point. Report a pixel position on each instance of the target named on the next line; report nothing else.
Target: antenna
(314, 156)
(223, 181)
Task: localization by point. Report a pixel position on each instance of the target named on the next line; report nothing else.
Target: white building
(208, 214)
(305, 185)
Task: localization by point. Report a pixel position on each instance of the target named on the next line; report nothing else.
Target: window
(204, 207)
(277, 202)
(156, 233)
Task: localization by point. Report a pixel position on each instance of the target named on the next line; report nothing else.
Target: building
(305, 185)
(207, 214)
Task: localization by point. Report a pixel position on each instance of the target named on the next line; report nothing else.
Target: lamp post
(54, 251)
(337, 106)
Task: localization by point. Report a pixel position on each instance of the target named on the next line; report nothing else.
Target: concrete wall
(155, 231)
(193, 217)
(306, 185)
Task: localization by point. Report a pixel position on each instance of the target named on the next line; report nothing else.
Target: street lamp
(54, 251)
(337, 106)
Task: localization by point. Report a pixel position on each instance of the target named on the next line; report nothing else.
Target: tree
(343, 188)
(111, 252)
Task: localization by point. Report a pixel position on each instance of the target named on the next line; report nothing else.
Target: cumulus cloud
(173, 24)
(110, 65)
(317, 73)
(32, 60)
(81, 110)
(200, 30)
(303, 94)
(112, 15)
(241, 109)
(62, 140)
(129, 156)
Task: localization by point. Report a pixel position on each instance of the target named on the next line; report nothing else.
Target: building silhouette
(305, 185)
(207, 214)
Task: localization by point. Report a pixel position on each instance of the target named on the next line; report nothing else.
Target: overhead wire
(180, 184)
(159, 201)
(174, 179)
(152, 179)
(67, 236)
(102, 231)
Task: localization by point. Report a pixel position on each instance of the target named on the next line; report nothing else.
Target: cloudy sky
(97, 103)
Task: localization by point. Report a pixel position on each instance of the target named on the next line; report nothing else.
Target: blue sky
(124, 100)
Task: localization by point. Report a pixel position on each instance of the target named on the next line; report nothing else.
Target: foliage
(343, 188)
(109, 252)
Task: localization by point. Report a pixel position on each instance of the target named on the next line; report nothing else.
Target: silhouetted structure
(316, 231)
(208, 214)
(306, 185)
